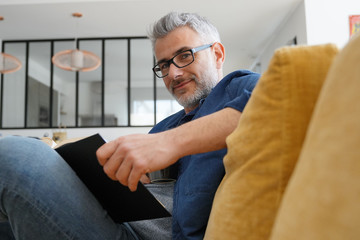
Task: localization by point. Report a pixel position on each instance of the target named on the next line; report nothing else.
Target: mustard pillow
(322, 201)
(263, 150)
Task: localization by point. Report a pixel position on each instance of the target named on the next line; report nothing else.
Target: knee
(15, 144)
(15, 151)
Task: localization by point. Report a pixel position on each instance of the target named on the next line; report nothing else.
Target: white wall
(313, 22)
(293, 26)
(327, 21)
(107, 133)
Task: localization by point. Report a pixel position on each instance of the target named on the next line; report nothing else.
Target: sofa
(293, 162)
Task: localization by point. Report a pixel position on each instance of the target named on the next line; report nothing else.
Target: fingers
(136, 173)
(145, 179)
(111, 166)
(134, 181)
(123, 172)
(128, 158)
(110, 158)
(120, 163)
(130, 172)
(105, 152)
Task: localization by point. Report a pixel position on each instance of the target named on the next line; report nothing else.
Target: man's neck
(189, 109)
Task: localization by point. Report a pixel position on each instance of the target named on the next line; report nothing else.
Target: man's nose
(174, 71)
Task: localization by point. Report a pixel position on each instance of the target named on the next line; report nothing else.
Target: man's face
(189, 84)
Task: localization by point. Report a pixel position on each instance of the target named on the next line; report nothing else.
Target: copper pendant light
(8, 63)
(75, 59)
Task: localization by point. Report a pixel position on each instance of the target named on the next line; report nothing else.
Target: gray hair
(173, 20)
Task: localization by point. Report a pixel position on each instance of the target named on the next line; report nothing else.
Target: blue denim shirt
(199, 175)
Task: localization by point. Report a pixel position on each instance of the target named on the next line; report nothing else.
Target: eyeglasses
(180, 60)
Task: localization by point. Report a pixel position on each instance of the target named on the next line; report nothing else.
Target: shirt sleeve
(240, 90)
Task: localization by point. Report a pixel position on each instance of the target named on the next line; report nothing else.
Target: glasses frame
(156, 68)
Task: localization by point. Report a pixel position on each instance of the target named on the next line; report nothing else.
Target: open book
(121, 204)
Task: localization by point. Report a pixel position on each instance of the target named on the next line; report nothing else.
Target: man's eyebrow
(176, 52)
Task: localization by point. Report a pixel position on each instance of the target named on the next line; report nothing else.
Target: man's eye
(163, 66)
(185, 56)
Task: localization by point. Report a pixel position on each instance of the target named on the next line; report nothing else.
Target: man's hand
(128, 158)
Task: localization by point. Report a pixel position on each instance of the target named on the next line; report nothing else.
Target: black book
(121, 204)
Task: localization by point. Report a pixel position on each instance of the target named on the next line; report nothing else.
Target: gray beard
(193, 100)
(203, 89)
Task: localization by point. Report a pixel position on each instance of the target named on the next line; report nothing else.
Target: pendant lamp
(8, 63)
(75, 59)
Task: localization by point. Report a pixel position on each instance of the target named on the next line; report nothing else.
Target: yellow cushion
(322, 201)
(263, 150)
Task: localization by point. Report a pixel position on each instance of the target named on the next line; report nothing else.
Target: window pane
(64, 92)
(14, 89)
(116, 107)
(142, 83)
(1, 124)
(165, 102)
(38, 101)
(90, 89)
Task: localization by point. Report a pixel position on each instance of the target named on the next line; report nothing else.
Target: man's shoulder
(241, 75)
(233, 90)
(238, 80)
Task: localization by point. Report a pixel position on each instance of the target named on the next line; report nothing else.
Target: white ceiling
(244, 25)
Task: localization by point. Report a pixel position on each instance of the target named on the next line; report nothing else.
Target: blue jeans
(42, 198)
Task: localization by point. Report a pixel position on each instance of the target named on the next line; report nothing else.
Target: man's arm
(205, 134)
(127, 158)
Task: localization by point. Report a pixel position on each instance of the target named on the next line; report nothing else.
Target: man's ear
(219, 51)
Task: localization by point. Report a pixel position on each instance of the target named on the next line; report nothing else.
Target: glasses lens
(157, 71)
(184, 58)
(181, 60)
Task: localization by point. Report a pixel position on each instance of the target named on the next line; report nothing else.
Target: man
(189, 59)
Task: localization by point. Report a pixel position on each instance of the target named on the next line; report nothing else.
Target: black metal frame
(52, 41)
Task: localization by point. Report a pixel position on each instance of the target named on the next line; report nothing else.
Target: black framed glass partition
(64, 91)
(13, 92)
(90, 89)
(122, 92)
(141, 105)
(116, 82)
(38, 85)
